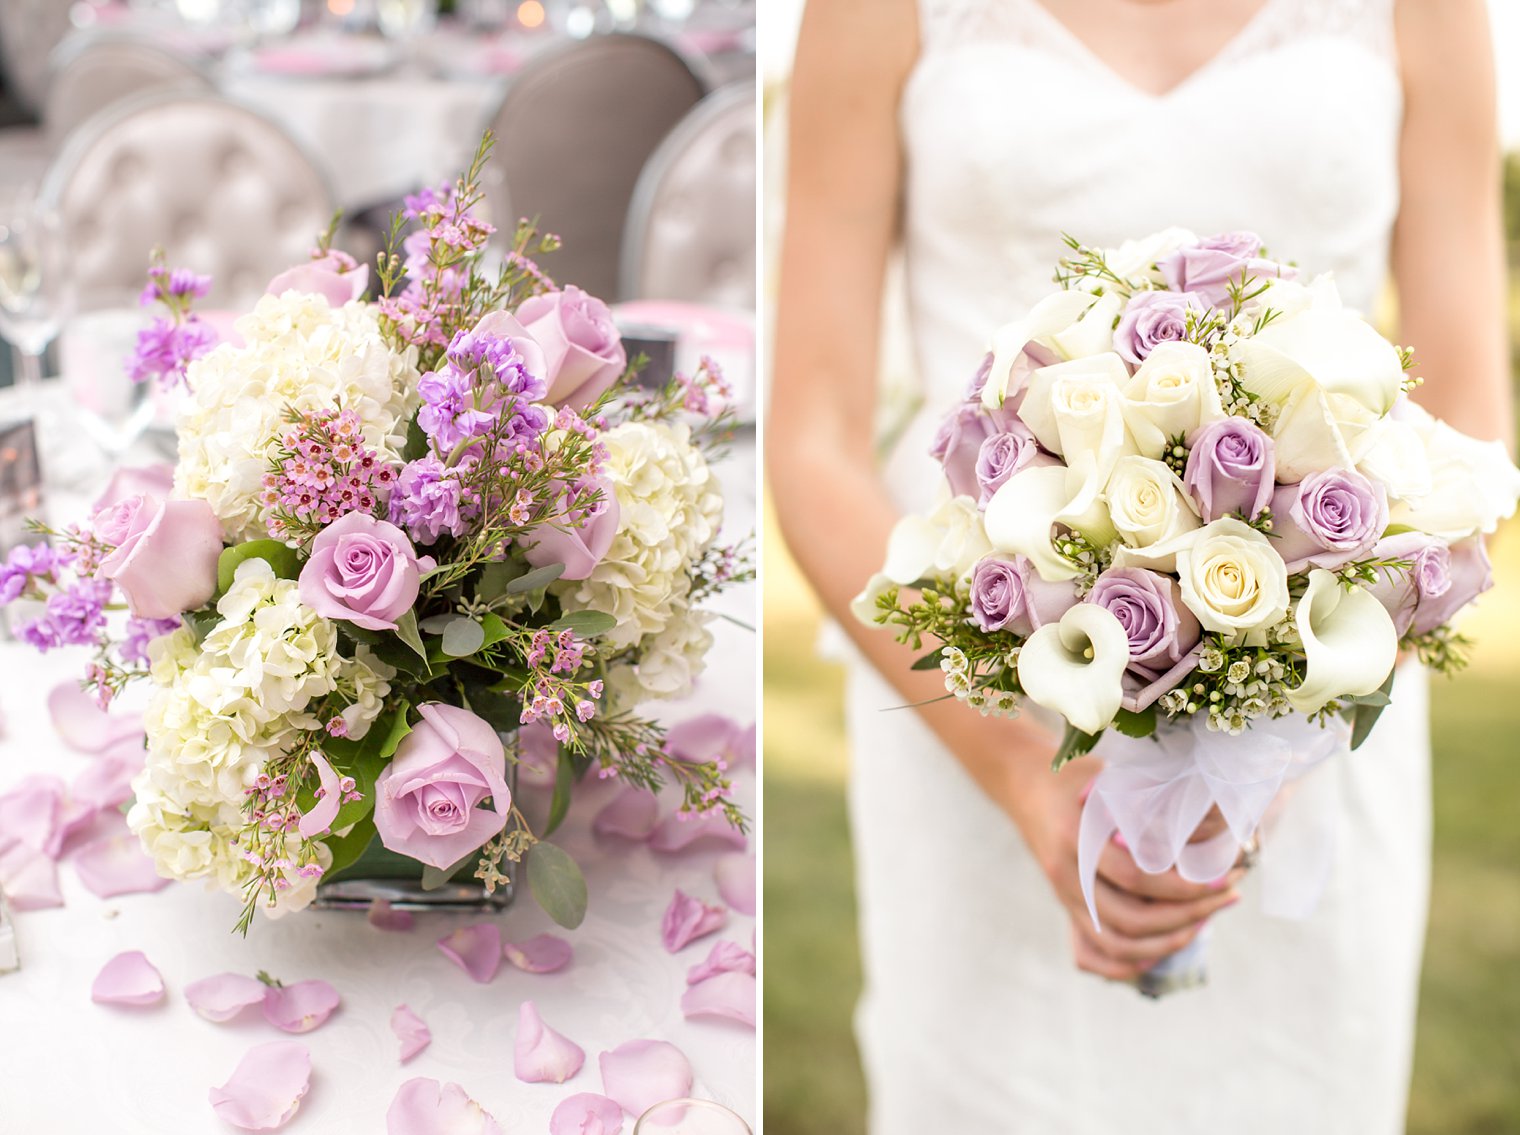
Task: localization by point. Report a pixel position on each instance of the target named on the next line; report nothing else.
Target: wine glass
(36, 289)
(690, 1117)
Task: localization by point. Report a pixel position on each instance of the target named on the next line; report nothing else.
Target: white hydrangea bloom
(222, 709)
(666, 664)
(671, 507)
(298, 352)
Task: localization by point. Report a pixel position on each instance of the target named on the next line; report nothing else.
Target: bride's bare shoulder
(853, 41)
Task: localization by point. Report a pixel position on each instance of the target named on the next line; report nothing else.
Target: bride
(1354, 136)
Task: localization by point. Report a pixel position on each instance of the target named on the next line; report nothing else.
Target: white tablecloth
(70, 1067)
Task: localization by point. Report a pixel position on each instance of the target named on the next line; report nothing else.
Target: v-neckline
(1081, 46)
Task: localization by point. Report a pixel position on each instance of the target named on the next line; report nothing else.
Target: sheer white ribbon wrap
(1155, 791)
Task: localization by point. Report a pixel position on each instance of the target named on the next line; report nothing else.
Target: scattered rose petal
(474, 949)
(426, 1107)
(676, 833)
(544, 953)
(325, 811)
(587, 1113)
(223, 996)
(117, 865)
(29, 878)
(687, 919)
(411, 1031)
(301, 1007)
(727, 995)
(703, 738)
(82, 725)
(541, 1055)
(266, 1087)
(32, 813)
(383, 917)
(724, 957)
(537, 755)
(631, 814)
(108, 782)
(641, 1073)
(742, 747)
(735, 876)
(128, 979)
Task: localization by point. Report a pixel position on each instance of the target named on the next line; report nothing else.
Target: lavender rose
(1151, 318)
(582, 348)
(1468, 575)
(1212, 265)
(1163, 633)
(166, 553)
(1230, 468)
(1401, 591)
(579, 541)
(428, 799)
(958, 444)
(997, 595)
(363, 571)
(1001, 456)
(1328, 519)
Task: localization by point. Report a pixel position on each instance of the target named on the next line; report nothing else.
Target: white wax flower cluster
(299, 352)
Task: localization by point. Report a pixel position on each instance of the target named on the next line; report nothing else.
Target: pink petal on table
(411, 1031)
(687, 919)
(223, 996)
(587, 1113)
(544, 953)
(742, 747)
(325, 811)
(266, 1088)
(82, 725)
(724, 957)
(537, 755)
(32, 813)
(703, 738)
(301, 1007)
(727, 995)
(426, 1107)
(128, 979)
(735, 876)
(108, 782)
(641, 1073)
(29, 878)
(680, 830)
(631, 814)
(383, 917)
(541, 1055)
(117, 865)
(474, 949)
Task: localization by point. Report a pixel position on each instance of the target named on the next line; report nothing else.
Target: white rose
(1075, 410)
(1393, 453)
(1147, 502)
(1049, 317)
(1323, 347)
(1473, 484)
(1317, 430)
(1136, 259)
(1172, 393)
(1233, 579)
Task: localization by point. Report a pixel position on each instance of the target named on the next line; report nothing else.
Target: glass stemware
(690, 1117)
(35, 285)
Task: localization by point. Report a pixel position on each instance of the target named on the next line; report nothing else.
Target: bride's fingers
(1092, 960)
(1119, 868)
(1212, 825)
(1135, 917)
(1144, 950)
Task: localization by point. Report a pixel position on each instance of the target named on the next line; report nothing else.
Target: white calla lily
(1076, 667)
(863, 606)
(1327, 347)
(1020, 516)
(948, 541)
(910, 549)
(1350, 643)
(1316, 431)
(1052, 314)
(1093, 334)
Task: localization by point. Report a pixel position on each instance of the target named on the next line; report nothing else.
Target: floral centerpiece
(399, 534)
(1191, 503)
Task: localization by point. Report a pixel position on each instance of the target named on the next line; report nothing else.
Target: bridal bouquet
(1189, 500)
(398, 532)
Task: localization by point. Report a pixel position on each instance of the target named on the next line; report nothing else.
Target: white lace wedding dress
(974, 1020)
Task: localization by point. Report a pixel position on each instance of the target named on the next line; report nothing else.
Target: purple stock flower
(74, 616)
(475, 350)
(429, 500)
(1162, 631)
(484, 375)
(168, 284)
(139, 632)
(1230, 467)
(165, 349)
(1151, 318)
(449, 414)
(25, 563)
(1328, 519)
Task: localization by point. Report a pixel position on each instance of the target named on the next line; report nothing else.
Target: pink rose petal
(117, 865)
(631, 814)
(544, 953)
(687, 919)
(641, 1073)
(474, 949)
(224, 996)
(706, 737)
(29, 878)
(724, 957)
(541, 1055)
(411, 1031)
(32, 812)
(742, 747)
(301, 1007)
(727, 995)
(537, 755)
(735, 876)
(128, 979)
(325, 811)
(266, 1088)
(426, 1107)
(680, 830)
(82, 725)
(383, 917)
(587, 1113)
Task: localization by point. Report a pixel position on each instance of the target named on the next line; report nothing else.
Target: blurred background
(229, 132)
(1467, 1059)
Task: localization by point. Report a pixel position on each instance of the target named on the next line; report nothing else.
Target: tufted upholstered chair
(573, 130)
(691, 227)
(90, 73)
(29, 30)
(221, 188)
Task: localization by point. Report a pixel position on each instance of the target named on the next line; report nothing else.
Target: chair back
(573, 130)
(690, 233)
(29, 30)
(91, 73)
(220, 188)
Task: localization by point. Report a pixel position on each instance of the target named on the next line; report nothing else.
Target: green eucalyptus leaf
(1365, 713)
(463, 637)
(434, 624)
(495, 578)
(585, 624)
(557, 884)
(284, 559)
(1141, 724)
(533, 580)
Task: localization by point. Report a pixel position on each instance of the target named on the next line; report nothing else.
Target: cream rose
(1147, 503)
(1074, 409)
(1233, 579)
(1172, 393)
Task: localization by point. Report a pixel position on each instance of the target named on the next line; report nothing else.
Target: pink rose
(363, 571)
(579, 548)
(155, 481)
(582, 348)
(335, 276)
(427, 801)
(166, 553)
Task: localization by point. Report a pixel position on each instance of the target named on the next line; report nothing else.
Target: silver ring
(1249, 851)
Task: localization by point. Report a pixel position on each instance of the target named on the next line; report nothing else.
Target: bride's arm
(1448, 249)
(843, 203)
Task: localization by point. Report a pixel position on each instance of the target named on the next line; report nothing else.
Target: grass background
(1467, 1056)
